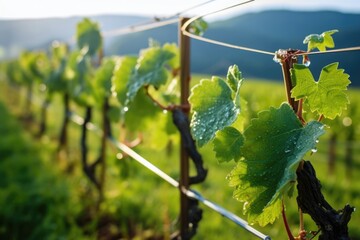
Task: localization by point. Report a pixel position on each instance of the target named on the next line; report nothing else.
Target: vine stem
(171, 107)
(321, 117)
(163, 107)
(300, 111)
(301, 224)
(288, 231)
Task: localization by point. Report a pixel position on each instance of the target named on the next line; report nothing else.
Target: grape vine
(269, 154)
(269, 151)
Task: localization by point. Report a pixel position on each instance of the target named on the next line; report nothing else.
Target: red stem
(288, 231)
(300, 110)
(321, 118)
(171, 107)
(163, 107)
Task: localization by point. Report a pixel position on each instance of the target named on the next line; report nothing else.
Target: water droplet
(119, 156)
(287, 150)
(42, 87)
(165, 111)
(314, 150)
(347, 121)
(306, 61)
(126, 109)
(354, 209)
(317, 140)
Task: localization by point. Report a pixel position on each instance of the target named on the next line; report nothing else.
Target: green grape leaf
(56, 82)
(234, 79)
(326, 96)
(102, 79)
(321, 41)
(149, 70)
(174, 63)
(215, 105)
(81, 73)
(121, 77)
(59, 51)
(139, 113)
(30, 67)
(275, 143)
(88, 36)
(198, 27)
(227, 144)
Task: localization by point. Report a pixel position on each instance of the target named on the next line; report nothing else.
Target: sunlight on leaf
(275, 143)
(326, 96)
(321, 42)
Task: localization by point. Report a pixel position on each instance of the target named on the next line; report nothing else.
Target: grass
(36, 200)
(144, 207)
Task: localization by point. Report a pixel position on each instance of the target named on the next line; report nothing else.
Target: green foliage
(174, 62)
(136, 77)
(81, 84)
(215, 104)
(33, 66)
(121, 77)
(150, 69)
(103, 79)
(36, 202)
(13, 72)
(275, 143)
(56, 80)
(227, 144)
(321, 41)
(326, 96)
(198, 27)
(88, 36)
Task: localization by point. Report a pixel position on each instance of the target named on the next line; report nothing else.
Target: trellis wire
(248, 49)
(189, 192)
(158, 22)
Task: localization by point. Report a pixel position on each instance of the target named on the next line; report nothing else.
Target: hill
(268, 30)
(16, 35)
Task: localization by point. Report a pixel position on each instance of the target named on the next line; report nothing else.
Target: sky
(23, 9)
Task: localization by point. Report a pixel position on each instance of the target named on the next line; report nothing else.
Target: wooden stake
(184, 45)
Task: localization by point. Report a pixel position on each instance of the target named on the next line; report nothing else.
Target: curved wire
(157, 22)
(208, 40)
(224, 44)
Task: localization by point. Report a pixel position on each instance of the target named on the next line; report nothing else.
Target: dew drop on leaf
(306, 61)
(314, 150)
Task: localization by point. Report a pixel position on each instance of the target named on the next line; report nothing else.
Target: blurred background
(45, 196)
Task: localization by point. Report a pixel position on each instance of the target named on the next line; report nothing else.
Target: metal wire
(208, 40)
(139, 28)
(224, 44)
(188, 192)
(193, 7)
(332, 51)
(158, 22)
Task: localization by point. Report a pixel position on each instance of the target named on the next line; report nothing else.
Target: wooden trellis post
(184, 45)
